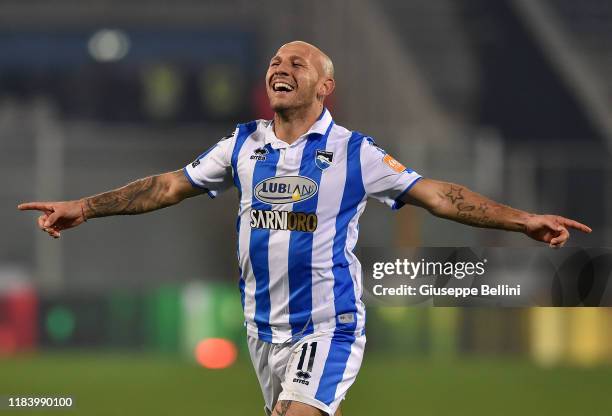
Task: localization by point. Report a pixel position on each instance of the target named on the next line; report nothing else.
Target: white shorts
(316, 370)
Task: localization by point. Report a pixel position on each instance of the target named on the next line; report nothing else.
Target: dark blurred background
(512, 98)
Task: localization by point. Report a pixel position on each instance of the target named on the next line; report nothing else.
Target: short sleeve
(384, 178)
(211, 171)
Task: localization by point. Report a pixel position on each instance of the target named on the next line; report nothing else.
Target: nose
(282, 68)
(280, 72)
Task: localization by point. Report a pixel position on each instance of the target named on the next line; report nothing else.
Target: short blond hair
(326, 62)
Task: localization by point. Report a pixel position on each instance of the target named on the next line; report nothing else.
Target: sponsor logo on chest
(285, 189)
(284, 220)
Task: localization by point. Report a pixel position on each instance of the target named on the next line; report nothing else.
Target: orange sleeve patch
(394, 164)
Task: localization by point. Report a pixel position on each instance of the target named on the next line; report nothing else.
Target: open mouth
(279, 86)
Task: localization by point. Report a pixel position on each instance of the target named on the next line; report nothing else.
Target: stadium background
(512, 98)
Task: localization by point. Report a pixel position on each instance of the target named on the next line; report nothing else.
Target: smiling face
(299, 76)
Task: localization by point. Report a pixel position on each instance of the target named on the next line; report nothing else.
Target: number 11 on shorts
(313, 352)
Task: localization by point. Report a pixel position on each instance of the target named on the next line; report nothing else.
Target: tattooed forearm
(462, 205)
(284, 408)
(140, 196)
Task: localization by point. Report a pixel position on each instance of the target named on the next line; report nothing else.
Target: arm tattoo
(140, 196)
(469, 209)
(465, 207)
(284, 408)
(454, 194)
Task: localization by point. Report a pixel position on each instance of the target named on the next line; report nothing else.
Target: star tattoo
(483, 207)
(454, 194)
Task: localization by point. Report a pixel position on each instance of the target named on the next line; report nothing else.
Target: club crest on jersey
(285, 189)
(259, 154)
(323, 159)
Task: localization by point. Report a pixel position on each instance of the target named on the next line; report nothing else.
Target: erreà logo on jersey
(285, 189)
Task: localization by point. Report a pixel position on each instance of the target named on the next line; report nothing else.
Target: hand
(57, 216)
(552, 229)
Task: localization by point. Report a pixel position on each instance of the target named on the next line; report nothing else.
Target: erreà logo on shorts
(285, 189)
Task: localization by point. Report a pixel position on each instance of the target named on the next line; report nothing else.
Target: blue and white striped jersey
(298, 221)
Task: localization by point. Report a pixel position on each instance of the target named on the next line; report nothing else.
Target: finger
(41, 221)
(560, 239)
(551, 222)
(52, 232)
(40, 206)
(556, 238)
(51, 219)
(576, 225)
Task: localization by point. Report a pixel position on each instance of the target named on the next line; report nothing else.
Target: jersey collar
(319, 127)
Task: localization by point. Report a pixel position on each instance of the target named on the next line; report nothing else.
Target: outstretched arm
(143, 195)
(457, 203)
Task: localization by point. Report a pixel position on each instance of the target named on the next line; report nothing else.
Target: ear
(327, 87)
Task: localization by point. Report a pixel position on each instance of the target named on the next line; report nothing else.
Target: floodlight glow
(60, 323)
(216, 353)
(108, 45)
